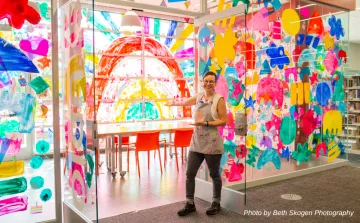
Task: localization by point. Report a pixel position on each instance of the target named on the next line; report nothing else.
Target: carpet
(322, 194)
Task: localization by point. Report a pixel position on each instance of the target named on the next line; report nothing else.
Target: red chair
(147, 141)
(182, 139)
(125, 141)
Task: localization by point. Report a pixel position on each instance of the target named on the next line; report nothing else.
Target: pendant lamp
(130, 22)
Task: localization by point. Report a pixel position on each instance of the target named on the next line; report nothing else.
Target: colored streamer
(171, 33)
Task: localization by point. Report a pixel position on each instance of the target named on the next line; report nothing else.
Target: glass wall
(288, 63)
(77, 119)
(223, 50)
(27, 187)
(138, 72)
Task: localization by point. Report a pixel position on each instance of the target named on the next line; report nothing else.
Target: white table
(109, 131)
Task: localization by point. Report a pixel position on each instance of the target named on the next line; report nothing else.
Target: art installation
(292, 88)
(282, 67)
(24, 79)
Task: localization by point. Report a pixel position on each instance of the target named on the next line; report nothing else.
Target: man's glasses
(208, 82)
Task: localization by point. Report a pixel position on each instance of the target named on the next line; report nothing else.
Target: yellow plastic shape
(307, 93)
(11, 169)
(184, 34)
(329, 41)
(75, 77)
(220, 8)
(224, 48)
(293, 94)
(300, 94)
(334, 151)
(332, 122)
(291, 22)
(250, 140)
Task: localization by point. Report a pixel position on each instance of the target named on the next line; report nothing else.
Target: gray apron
(206, 139)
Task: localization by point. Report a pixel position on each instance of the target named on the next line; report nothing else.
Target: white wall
(354, 56)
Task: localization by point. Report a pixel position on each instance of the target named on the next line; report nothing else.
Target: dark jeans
(193, 164)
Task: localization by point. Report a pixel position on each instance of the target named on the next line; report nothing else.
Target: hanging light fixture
(130, 22)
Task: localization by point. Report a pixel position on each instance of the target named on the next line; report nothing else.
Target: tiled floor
(131, 193)
(354, 160)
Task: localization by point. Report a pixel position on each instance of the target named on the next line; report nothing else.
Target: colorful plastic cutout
(183, 35)
(13, 186)
(187, 53)
(315, 25)
(259, 21)
(37, 182)
(306, 56)
(250, 103)
(266, 142)
(17, 204)
(288, 72)
(304, 11)
(270, 89)
(269, 155)
(171, 33)
(285, 153)
(14, 147)
(248, 50)
(12, 59)
(323, 94)
(224, 47)
(276, 30)
(342, 55)
(204, 36)
(230, 147)
(308, 123)
(287, 130)
(336, 28)
(277, 56)
(42, 147)
(44, 10)
(22, 81)
(291, 22)
(39, 85)
(36, 162)
(17, 12)
(334, 151)
(265, 68)
(90, 173)
(339, 91)
(236, 92)
(11, 169)
(254, 151)
(302, 154)
(222, 87)
(332, 123)
(45, 195)
(235, 172)
(23, 105)
(35, 45)
(331, 62)
(321, 146)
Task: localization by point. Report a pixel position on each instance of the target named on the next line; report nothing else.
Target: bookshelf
(351, 132)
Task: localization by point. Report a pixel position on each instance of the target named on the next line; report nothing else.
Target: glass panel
(78, 116)
(27, 190)
(222, 51)
(161, 70)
